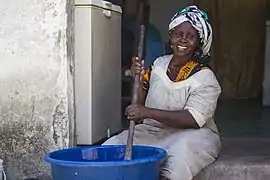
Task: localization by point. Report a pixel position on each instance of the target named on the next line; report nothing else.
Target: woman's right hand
(137, 67)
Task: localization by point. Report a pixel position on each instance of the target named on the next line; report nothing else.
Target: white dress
(189, 150)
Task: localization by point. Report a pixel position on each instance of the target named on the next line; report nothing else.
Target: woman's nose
(183, 39)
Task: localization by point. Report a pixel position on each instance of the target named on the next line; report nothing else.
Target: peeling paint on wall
(34, 84)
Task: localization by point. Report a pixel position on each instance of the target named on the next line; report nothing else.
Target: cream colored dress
(189, 150)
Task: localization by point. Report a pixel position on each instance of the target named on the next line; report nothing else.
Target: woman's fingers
(130, 109)
(135, 62)
(136, 68)
(142, 63)
(135, 59)
(127, 108)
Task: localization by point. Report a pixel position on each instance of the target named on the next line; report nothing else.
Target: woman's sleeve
(203, 98)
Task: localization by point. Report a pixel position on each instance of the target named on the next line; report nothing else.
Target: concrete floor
(240, 159)
(245, 133)
(243, 119)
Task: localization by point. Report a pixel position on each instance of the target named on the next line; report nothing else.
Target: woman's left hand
(136, 112)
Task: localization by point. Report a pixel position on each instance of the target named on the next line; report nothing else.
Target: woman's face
(184, 40)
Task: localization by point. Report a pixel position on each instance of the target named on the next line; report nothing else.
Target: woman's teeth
(181, 47)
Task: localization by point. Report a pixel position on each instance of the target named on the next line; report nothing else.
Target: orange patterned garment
(187, 70)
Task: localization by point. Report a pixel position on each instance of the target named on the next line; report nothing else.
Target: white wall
(162, 12)
(34, 84)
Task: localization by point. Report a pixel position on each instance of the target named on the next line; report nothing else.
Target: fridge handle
(107, 6)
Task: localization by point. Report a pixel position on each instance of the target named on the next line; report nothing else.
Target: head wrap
(198, 19)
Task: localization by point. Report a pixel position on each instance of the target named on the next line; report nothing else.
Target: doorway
(238, 46)
(239, 55)
(238, 52)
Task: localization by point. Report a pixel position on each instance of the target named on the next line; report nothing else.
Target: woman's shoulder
(206, 77)
(162, 60)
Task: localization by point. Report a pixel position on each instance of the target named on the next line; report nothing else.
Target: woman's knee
(197, 142)
(119, 139)
(111, 141)
(176, 168)
(189, 154)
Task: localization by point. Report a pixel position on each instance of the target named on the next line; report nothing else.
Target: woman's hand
(137, 67)
(136, 112)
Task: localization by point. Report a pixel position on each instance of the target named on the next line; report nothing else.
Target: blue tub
(105, 163)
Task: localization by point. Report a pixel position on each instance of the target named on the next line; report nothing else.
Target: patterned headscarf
(198, 19)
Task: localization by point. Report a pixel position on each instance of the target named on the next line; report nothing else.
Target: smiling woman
(177, 100)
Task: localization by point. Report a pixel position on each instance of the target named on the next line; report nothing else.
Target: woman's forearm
(177, 119)
(141, 95)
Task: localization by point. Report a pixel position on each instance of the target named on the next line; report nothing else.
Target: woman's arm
(178, 119)
(141, 94)
(200, 106)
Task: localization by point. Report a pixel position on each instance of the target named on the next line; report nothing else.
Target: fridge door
(97, 70)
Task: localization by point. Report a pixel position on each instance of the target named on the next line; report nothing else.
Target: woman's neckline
(179, 69)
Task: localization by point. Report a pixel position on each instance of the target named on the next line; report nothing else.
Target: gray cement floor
(243, 119)
(245, 134)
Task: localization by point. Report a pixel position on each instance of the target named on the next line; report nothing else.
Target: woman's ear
(168, 48)
(198, 52)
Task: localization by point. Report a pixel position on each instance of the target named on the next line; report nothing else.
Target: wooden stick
(136, 86)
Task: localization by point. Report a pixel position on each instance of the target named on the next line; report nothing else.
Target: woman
(178, 98)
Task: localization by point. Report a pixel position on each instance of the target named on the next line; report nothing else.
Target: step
(240, 159)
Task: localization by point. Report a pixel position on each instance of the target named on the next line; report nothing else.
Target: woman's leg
(190, 152)
(119, 139)
(141, 137)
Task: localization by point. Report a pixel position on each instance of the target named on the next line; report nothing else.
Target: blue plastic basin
(105, 163)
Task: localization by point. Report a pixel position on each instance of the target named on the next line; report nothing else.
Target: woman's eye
(192, 37)
(178, 34)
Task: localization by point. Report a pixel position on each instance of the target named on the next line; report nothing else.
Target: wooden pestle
(136, 86)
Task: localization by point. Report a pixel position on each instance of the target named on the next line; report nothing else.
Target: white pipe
(2, 172)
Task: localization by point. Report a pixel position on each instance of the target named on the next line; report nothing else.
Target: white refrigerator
(97, 70)
(266, 79)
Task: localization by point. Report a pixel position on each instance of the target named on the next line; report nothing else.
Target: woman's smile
(181, 48)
